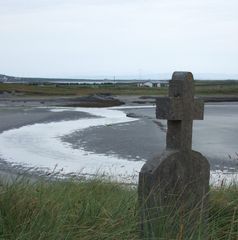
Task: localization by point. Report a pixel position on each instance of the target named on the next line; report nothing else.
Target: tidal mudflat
(111, 142)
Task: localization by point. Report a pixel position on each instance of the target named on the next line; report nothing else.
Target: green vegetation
(67, 210)
(201, 87)
(79, 90)
(95, 210)
(216, 87)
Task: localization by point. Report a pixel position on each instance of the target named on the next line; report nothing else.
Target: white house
(149, 84)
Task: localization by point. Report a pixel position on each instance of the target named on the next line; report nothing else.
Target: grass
(67, 210)
(79, 90)
(217, 89)
(201, 88)
(96, 210)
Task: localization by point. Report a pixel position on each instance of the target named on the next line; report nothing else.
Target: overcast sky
(73, 38)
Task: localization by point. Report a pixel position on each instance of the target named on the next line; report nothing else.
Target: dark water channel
(215, 136)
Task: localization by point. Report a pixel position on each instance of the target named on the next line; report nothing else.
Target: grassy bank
(79, 90)
(201, 88)
(94, 210)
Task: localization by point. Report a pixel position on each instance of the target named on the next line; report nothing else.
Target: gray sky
(73, 38)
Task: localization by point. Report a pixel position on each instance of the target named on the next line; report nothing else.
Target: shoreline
(41, 114)
(96, 100)
(25, 140)
(17, 117)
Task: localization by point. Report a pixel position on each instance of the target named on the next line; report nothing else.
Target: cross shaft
(180, 109)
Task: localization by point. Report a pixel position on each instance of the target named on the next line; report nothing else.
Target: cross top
(180, 109)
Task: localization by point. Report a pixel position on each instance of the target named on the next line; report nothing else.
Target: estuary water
(110, 143)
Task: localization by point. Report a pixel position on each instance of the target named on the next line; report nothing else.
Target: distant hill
(5, 78)
(11, 79)
(202, 78)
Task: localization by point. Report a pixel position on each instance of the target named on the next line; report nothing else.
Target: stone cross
(179, 177)
(180, 109)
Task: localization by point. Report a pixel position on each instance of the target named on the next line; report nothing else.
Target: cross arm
(172, 108)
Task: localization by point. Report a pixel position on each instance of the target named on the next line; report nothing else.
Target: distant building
(149, 84)
(164, 84)
(3, 78)
(157, 85)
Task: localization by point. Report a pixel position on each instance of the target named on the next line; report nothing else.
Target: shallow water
(39, 146)
(112, 144)
(215, 136)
